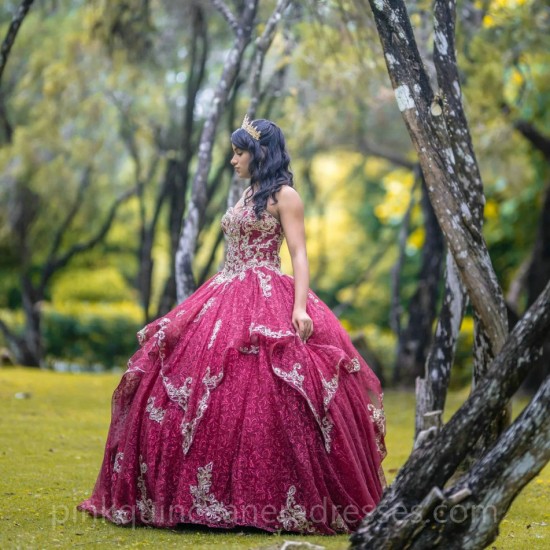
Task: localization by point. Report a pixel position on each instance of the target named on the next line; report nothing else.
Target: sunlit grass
(51, 444)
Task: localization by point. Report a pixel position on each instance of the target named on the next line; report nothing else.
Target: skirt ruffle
(226, 418)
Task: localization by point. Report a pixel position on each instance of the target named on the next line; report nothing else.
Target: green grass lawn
(51, 447)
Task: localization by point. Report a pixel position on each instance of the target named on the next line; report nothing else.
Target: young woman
(247, 405)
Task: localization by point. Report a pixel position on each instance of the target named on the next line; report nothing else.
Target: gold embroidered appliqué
(293, 516)
(204, 502)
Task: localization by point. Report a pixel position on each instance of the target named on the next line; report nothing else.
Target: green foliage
(10, 294)
(92, 285)
(90, 334)
(13, 318)
(92, 319)
(506, 79)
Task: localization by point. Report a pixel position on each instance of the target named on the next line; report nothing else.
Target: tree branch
(262, 45)
(60, 233)
(535, 138)
(54, 264)
(371, 149)
(13, 29)
(486, 492)
(431, 391)
(448, 79)
(223, 8)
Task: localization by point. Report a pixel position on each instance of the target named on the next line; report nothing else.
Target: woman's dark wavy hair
(269, 161)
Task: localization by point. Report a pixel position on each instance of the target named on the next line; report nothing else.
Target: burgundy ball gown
(226, 418)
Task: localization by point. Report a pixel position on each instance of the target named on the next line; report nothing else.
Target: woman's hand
(303, 324)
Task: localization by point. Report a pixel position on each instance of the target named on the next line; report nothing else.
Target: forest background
(102, 106)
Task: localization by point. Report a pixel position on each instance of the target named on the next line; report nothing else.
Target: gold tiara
(247, 127)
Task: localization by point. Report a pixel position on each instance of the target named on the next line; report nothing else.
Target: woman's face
(240, 161)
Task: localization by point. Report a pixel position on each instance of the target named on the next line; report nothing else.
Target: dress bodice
(251, 242)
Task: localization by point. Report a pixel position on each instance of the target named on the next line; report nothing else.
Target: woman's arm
(291, 214)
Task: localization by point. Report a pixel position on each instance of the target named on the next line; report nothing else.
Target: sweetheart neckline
(248, 206)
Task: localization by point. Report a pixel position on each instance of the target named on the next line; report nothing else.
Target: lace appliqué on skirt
(293, 516)
(205, 503)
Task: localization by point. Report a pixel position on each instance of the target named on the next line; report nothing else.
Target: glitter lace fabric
(225, 418)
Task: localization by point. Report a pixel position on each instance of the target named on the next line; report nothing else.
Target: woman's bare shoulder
(288, 196)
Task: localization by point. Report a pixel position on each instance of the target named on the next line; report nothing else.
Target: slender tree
(414, 342)
(243, 31)
(24, 209)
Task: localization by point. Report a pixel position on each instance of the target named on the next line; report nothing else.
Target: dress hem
(92, 511)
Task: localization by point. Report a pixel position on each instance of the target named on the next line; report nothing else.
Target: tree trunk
(537, 276)
(32, 337)
(185, 282)
(396, 309)
(537, 272)
(262, 44)
(401, 513)
(243, 29)
(431, 391)
(175, 180)
(469, 177)
(178, 172)
(414, 341)
(25, 207)
(468, 514)
(439, 131)
(423, 115)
